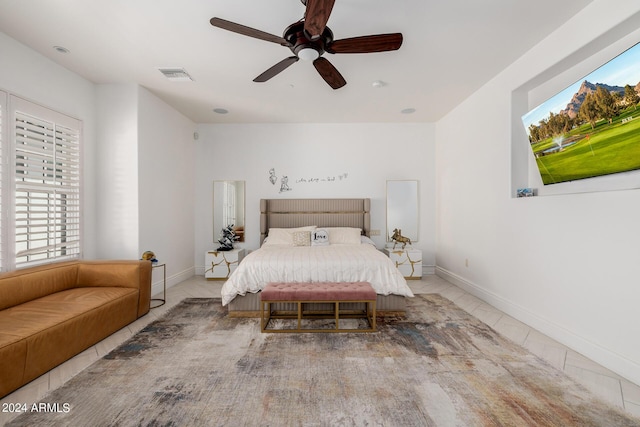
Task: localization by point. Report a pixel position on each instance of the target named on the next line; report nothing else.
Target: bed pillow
(319, 237)
(344, 235)
(367, 241)
(284, 236)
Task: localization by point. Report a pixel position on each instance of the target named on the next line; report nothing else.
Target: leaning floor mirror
(402, 208)
(228, 207)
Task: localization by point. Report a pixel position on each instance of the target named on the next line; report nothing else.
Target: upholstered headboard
(290, 213)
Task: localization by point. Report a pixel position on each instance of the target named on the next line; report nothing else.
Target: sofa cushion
(54, 328)
(51, 310)
(126, 274)
(109, 273)
(13, 356)
(21, 286)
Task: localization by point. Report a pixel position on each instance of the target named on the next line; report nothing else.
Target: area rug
(438, 366)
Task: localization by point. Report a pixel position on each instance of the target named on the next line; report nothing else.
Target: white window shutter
(47, 187)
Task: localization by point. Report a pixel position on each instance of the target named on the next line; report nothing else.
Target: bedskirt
(248, 305)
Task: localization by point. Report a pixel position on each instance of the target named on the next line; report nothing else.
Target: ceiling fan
(310, 37)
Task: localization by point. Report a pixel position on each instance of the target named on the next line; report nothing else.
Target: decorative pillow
(302, 238)
(344, 235)
(284, 236)
(319, 237)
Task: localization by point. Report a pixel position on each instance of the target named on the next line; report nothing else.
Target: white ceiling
(451, 48)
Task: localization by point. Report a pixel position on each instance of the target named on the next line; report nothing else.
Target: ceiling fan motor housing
(298, 39)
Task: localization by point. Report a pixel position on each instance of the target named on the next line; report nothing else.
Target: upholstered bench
(322, 292)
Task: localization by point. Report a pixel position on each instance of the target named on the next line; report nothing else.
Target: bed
(342, 259)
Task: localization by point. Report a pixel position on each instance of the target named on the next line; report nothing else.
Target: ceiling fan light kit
(309, 38)
(308, 54)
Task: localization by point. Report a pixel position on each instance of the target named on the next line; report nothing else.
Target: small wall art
(285, 180)
(525, 192)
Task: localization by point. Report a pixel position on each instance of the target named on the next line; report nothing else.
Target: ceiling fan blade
(366, 44)
(248, 31)
(276, 69)
(316, 17)
(329, 73)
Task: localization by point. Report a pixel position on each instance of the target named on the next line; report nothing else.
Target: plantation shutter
(47, 185)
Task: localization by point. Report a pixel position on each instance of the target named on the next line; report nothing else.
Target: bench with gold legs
(323, 292)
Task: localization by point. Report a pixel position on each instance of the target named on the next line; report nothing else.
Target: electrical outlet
(374, 232)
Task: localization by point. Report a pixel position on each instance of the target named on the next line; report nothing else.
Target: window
(43, 185)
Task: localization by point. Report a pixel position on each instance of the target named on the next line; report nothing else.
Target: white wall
(567, 265)
(361, 157)
(145, 179)
(117, 172)
(166, 192)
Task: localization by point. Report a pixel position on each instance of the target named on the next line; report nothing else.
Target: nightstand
(218, 265)
(408, 261)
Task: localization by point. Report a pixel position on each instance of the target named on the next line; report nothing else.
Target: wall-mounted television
(592, 128)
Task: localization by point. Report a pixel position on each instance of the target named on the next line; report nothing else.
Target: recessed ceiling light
(408, 111)
(220, 110)
(61, 49)
(378, 84)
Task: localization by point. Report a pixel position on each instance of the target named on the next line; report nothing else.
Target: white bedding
(332, 263)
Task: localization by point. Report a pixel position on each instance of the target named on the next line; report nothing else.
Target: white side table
(162, 300)
(218, 265)
(408, 261)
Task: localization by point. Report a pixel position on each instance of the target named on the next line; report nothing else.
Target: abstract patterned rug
(439, 366)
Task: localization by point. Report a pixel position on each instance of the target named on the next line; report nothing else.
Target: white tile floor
(599, 380)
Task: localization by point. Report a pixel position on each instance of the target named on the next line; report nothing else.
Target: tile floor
(599, 380)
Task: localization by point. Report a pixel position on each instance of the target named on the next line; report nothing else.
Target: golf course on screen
(585, 152)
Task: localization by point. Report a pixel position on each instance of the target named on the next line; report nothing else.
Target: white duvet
(332, 263)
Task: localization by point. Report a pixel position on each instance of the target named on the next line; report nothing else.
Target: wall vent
(176, 74)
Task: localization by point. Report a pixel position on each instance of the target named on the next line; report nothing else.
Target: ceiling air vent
(176, 74)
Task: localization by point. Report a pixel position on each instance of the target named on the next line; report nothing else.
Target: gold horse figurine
(399, 238)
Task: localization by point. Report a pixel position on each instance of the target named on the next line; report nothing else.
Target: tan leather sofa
(50, 313)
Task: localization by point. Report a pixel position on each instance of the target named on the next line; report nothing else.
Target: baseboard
(428, 270)
(619, 364)
(172, 280)
(467, 285)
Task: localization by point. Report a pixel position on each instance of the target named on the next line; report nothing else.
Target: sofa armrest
(125, 273)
